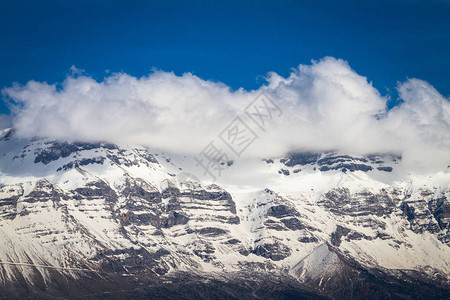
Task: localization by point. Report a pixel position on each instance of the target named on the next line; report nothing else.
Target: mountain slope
(80, 219)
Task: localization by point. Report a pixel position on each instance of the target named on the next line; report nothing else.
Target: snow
(254, 185)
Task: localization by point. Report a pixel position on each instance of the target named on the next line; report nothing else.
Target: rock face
(334, 161)
(99, 220)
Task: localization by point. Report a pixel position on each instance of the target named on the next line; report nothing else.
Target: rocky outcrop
(341, 202)
(333, 161)
(57, 150)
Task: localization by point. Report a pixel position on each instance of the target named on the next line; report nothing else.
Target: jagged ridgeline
(97, 220)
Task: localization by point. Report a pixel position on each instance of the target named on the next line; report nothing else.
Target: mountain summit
(100, 220)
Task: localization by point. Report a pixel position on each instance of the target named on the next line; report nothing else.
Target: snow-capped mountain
(103, 220)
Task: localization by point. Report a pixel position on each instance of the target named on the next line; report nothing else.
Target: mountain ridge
(77, 213)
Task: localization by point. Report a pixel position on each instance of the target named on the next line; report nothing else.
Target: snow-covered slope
(87, 218)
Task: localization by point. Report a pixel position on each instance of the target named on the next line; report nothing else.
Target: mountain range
(100, 220)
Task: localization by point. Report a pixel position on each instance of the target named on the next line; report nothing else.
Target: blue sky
(235, 42)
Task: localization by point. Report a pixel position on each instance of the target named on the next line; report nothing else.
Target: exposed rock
(275, 251)
(274, 225)
(293, 224)
(284, 172)
(64, 149)
(385, 169)
(338, 234)
(211, 231)
(281, 211)
(335, 159)
(350, 167)
(83, 162)
(95, 190)
(308, 239)
(300, 158)
(139, 188)
(340, 201)
(174, 218)
(418, 214)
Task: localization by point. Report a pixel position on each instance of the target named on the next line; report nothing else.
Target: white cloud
(5, 121)
(326, 106)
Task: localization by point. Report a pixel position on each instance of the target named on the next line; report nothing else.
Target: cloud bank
(326, 106)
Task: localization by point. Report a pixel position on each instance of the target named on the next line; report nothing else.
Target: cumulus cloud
(326, 106)
(5, 121)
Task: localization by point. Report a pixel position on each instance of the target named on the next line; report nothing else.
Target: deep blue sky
(230, 41)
